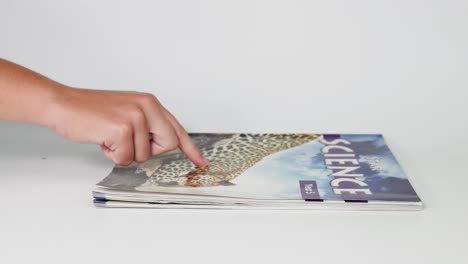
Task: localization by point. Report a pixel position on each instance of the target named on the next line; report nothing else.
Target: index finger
(185, 142)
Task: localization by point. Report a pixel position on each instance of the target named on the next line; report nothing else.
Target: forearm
(26, 96)
(120, 122)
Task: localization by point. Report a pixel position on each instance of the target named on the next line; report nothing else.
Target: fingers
(129, 138)
(120, 147)
(168, 133)
(164, 137)
(140, 135)
(144, 116)
(185, 142)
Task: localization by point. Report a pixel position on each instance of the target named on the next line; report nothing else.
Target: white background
(394, 67)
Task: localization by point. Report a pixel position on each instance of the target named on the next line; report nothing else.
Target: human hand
(121, 123)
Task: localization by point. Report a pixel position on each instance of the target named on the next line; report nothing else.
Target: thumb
(121, 153)
(107, 151)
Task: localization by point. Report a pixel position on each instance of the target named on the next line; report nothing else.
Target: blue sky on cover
(278, 175)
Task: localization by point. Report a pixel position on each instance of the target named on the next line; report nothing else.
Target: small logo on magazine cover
(309, 190)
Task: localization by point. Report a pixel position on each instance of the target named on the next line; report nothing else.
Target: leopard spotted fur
(229, 155)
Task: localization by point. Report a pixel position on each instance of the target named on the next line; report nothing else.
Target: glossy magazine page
(308, 167)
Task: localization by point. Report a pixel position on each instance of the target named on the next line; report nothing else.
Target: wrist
(54, 105)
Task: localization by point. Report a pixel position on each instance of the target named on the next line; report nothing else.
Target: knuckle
(171, 145)
(123, 160)
(135, 114)
(143, 154)
(123, 129)
(143, 158)
(147, 99)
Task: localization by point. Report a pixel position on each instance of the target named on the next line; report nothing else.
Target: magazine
(266, 171)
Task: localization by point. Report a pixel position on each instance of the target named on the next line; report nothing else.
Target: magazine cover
(305, 167)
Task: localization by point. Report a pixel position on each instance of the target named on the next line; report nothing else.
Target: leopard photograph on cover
(266, 166)
(229, 155)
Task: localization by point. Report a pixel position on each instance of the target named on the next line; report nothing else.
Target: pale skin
(120, 122)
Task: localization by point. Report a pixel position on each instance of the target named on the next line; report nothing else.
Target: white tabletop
(47, 214)
(393, 67)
